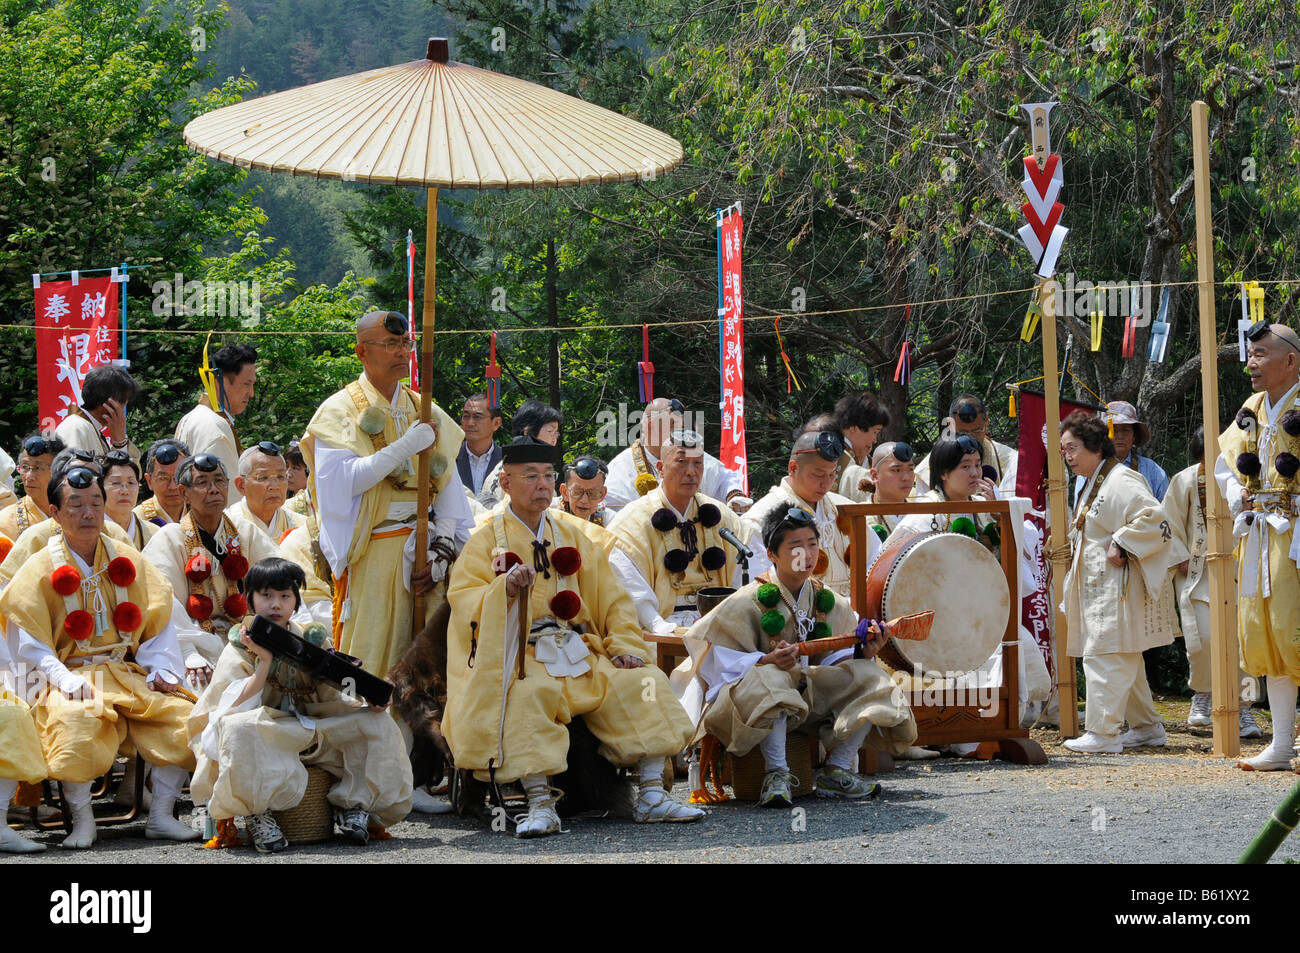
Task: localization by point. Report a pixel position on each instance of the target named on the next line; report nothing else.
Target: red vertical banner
(732, 452)
(76, 329)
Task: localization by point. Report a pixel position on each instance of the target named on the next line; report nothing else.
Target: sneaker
(836, 782)
(1249, 726)
(1092, 743)
(1148, 736)
(1199, 716)
(265, 832)
(353, 825)
(654, 805)
(776, 789)
(541, 819)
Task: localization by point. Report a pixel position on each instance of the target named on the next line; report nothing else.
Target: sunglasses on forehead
(80, 477)
(207, 463)
(829, 446)
(794, 516)
(268, 447)
(116, 458)
(37, 446)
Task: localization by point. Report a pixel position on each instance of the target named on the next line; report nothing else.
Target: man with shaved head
(361, 450)
(1260, 454)
(633, 473)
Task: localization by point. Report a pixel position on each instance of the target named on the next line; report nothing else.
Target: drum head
(964, 585)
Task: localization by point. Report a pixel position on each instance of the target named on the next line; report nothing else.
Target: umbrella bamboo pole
(426, 397)
(1223, 606)
(1066, 693)
(1284, 819)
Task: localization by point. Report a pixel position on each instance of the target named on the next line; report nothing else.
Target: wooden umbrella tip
(437, 50)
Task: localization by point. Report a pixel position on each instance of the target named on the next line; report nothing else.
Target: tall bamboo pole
(1058, 544)
(1219, 559)
(426, 396)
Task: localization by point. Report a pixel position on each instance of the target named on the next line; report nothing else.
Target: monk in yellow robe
(94, 618)
(20, 758)
(531, 581)
(361, 449)
(1256, 472)
(34, 462)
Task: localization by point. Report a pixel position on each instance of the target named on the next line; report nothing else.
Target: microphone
(734, 540)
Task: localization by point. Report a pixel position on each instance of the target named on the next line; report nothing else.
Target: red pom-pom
(234, 566)
(566, 604)
(198, 568)
(127, 617)
(566, 560)
(505, 562)
(236, 606)
(65, 580)
(121, 572)
(198, 607)
(79, 625)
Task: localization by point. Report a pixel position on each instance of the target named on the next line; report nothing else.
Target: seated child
(758, 686)
(262, 721)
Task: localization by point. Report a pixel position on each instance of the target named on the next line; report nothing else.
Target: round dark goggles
(80, 477)
(37, 446)
(167, 454)
(794, 516)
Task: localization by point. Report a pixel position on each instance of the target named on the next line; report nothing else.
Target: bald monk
(632, 474)
(1256, 471)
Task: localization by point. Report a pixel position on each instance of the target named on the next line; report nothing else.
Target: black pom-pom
(1291, 423)
(1248, 465)
(1245, 418)
(989, 473)
(710, 515)
(1287, 465)
(663, 519)
(676, 560)
(714, 558)
(1250, 518)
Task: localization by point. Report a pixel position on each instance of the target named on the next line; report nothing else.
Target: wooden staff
(426, 399)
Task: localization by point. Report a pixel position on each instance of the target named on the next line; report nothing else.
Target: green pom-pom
(964, 525)
(824, 601)
(232, 635)
(881, 531)
(316, 634)
(821, 630)
(768, 594)
(990, 532)
(372, 420)
(773, 622)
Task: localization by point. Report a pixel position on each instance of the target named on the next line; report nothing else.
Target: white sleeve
(35, 655)
(620, 482)
(162, 654)
(721, 667)
(195, 647)
(319, 611)
(1228, 486)
(452, 517)
(647, 603)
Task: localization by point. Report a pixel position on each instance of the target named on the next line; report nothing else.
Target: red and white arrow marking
(1043, 235)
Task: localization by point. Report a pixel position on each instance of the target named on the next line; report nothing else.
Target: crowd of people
(129, 625)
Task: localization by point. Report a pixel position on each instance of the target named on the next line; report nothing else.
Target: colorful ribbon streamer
(1097, 318)
(903, 369)
(1032, 315)
(493, 375)
(1160, 331)
(790, 376)
(645, 369)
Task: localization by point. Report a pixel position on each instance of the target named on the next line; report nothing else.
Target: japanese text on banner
(732, 452)
(76, 331)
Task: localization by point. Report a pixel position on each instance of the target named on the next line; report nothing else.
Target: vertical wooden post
(426, 396)
(1220, 562)
(1066, 692)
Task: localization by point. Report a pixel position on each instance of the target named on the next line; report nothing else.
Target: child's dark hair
(275, 573)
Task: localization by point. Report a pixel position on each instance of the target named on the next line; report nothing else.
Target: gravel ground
(1176, 804)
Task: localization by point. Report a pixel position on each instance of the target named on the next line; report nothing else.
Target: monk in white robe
(211, 429)
(262, 482)
(105, 394)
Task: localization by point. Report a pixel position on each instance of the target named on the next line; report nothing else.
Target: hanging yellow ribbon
(1032, 314)
(209, 378)
(1097, 317)
(1256, 295)
(790, 375)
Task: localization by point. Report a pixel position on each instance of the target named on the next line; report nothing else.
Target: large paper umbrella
(434, 123)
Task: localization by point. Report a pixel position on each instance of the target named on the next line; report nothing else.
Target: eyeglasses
(392, 346)
(968, 444)
(270, 448)
(32, 468)
(588, 467)
(167, 454)
(578, 493)
(830, 446)
(37, 446)
(469, 415)
(79, 477)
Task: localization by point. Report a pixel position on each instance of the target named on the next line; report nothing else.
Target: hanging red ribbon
(645, 370)
(903, 369)
(493, 375)
(790, 376)
(1130, 336)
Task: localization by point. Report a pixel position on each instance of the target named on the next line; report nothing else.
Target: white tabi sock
(77, 797)
(11, 842)
(772, 747)
(1281, 702)
(535, 787)
(168, 779)
(842, 755)
(650, 772)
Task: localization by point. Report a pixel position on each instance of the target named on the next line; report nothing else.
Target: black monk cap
(526, 449)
